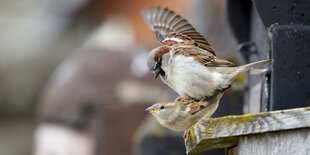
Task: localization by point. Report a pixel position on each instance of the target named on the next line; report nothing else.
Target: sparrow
(185, 111)
(185, 61)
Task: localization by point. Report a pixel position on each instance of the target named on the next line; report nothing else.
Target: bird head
(157, 60)
(163, 112)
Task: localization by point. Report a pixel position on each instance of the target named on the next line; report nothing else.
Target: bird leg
(185, 136)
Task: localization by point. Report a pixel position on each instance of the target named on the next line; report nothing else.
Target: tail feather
(244, 68)
(247, 67)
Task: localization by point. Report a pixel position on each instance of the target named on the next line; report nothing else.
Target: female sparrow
(185, 60)
(184, 112)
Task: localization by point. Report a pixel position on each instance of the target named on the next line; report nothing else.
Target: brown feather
(167, 24)
(202, 57)
(197, 105)
(161, 52)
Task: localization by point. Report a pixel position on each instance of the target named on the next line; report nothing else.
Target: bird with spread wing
(187, 63)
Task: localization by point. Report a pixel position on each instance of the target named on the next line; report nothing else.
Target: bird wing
(171, 27)
(202, 57)
(195, 106)
(198, 105)
(186, 102)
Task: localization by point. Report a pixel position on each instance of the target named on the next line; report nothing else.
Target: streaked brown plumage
(184, 111)
(167, 24)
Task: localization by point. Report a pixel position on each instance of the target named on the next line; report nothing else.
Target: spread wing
(203, 57)
(166, 25)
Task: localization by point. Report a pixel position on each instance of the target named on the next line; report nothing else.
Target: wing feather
(198, 105)
(202, 57)
(165, 23)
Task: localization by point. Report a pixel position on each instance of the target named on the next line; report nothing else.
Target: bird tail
(247, 67)
(240, 69)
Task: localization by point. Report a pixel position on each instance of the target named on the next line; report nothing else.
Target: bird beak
(152, 110)
(156, 72)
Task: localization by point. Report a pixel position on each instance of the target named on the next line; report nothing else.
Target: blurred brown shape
(120, 124)
(131, 9)
(88, 92)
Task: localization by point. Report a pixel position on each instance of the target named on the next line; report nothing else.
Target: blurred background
(73, 76)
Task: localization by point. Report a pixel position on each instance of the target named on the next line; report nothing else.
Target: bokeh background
(73, 76)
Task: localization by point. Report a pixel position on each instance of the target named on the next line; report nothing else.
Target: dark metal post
(279, 30)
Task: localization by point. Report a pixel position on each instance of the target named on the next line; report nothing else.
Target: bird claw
(201, 102)
(186, 134)
(195, 99)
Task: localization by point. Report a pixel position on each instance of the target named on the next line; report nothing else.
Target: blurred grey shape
(35, 36)
(95, 91)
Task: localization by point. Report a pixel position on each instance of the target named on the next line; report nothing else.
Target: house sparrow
(185, 61)
(185, 111)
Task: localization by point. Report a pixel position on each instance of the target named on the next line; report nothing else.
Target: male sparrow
(185, 60)
(185, 111)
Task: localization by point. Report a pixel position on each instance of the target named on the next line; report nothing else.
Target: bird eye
(195, 44)
(162, 107)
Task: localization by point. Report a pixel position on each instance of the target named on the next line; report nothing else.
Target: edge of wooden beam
(222, 132)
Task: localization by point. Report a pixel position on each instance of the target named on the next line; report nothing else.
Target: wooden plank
(222, 132)
(295, 142)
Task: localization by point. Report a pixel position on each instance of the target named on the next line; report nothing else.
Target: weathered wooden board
(288, 142)
(214, 133)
